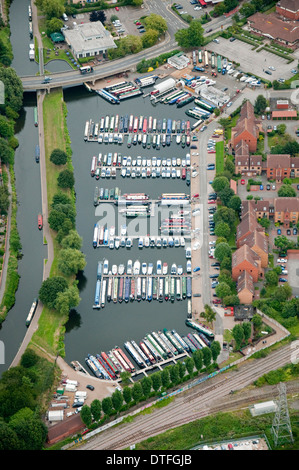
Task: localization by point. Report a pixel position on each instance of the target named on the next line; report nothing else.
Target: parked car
(283, 279)
(90, 387)
(278, 231)
(242, 181)
(195, 270)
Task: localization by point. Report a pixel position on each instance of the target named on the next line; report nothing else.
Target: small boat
(40, 221)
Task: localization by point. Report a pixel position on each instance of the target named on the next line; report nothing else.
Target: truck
(55, 415)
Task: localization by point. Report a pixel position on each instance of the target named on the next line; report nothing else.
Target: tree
(13, 89)
(222, 230)
(4, 200)
(66, 179)
(137, 392)
(9, 439)
(174, 374)
(127, 394)
(165, 377)
(215, 350)
(283, 243)
(192, 36)
(257, 322)
(107, 405)
(54, 25)
(6, 152)
(282, 293)
(238, 335)
(72, 240)
(209, 314)
(50, 288)
(225, 214)
(223, 290)
(225, 195)
(206, 356)
(260, 104)
(156, 22)
(219, 183)
(190, 365)
(29, 358)
(197, 357)
(235, 203)
(117, 400)
(182, 370)
(156, 380)
(271, 277)
(149, 38)
(31, 431)
(58, 157)
(281, 129)
(146, 385)
(96, 409)
(85, 415)
(286, 191)
(247, 330)
(247, 9)
(97, 16)
(222, 251)
(52, 8)
(67, 300)
(71, 261)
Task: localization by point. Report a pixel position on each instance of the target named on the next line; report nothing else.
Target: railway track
(195, 404)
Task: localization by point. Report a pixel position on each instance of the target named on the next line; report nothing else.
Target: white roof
(88, 37)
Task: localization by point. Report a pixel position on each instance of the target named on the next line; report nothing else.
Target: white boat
(136, 268)
(164, 268)
(114, 269)
(129, 267)
(144, 268)
(159, 267)
(121, 269)
(146, 242)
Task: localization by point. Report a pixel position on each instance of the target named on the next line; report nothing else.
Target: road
(109, 68)
(198, 402)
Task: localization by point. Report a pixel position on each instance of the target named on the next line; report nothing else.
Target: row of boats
(139, 282)
(105, 237)
(138, 172)
(130, 124)
(118, 289)
(117, 160)
(152, 349)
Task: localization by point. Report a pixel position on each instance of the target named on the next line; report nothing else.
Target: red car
(116, 8)
(216, 301)
(212, 202)
(242, 181)
(138, 23)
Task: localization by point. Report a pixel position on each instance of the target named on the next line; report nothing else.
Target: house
(247, 225)
(258, 242)
(246, 164)
(288, 9)
(246, 129)
(89, 40)
(278, 167)
(245, 288)
(286, 210)
(261, 208)
(272, 26)
(245, 259)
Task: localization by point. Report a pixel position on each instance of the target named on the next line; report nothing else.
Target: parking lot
(292, 267)
(252, 61)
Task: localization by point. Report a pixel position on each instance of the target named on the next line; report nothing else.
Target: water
(89, 330)
(30, 267)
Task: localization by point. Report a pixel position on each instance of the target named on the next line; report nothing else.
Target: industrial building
(89, 40)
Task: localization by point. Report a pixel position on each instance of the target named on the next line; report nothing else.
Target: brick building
(286, 210)
(245, 288)
(247, 128)
(288, 9)
(245, 259)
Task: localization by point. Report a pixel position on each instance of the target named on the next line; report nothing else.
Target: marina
(155, 351)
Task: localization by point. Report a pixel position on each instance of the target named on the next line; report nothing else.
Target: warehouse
(89, 40)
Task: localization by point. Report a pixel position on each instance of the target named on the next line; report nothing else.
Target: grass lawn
(51, 323)
(219, 157)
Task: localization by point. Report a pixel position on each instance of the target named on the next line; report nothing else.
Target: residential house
(258, 242)
(278, 167)
(245, 288)
(247, 225)
(245, 259)
(286, 210)
(247, 128)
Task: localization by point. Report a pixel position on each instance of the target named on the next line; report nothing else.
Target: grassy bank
(50, 333)
(219, 157)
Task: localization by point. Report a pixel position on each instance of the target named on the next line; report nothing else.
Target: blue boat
(127, 289)
(97, 294)
(37, 153)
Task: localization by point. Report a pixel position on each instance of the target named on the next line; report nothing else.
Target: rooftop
(87, 36)
(274, 27)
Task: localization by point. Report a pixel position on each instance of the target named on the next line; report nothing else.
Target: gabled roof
(245, 253)
(256, 239)
(286, 204)
(245, 281)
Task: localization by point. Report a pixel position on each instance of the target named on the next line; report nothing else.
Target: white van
(65, 17)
